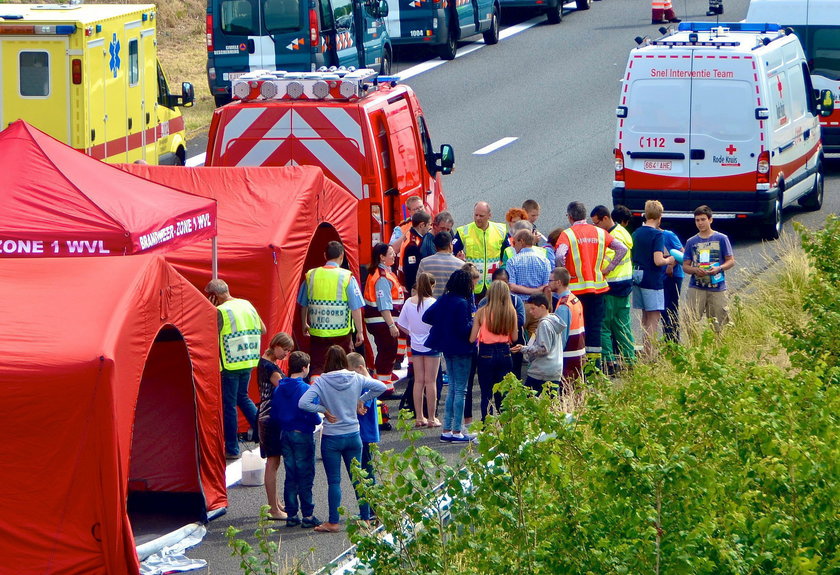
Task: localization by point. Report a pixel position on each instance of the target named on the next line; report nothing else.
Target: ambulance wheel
(181, 157)
(448, 50)
(491, 35)
(583, 4)
(555, 13)
(385, 69)
(222, 100)
(773, 227)
(814, 200)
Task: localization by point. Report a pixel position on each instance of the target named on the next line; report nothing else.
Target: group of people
(485, 298)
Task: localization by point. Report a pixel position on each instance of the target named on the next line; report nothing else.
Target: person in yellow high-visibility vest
(331, 306)
(240, 331)
(617, 327)
(483, 243)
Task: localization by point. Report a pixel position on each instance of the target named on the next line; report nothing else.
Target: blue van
(293, 35)
(442, 23)
(553, 8)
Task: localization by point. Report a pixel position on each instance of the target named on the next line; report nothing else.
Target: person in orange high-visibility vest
(573, 336)
(383, 302)
(580, 249)
(662, 12)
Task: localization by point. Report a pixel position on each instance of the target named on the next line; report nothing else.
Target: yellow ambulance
(89, 76)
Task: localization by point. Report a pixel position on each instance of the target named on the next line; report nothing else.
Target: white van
(817, 24)
(722, 115)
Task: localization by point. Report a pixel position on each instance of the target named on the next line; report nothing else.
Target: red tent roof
(109, 382)
(56, 201)
(273, 226)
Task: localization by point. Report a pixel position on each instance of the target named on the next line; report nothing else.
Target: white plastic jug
(253, 468)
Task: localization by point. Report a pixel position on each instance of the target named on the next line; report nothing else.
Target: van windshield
(282, 15)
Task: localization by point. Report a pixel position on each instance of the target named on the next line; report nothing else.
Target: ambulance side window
(238, 18)
(798, 98)
(133, 63)
(34, 74)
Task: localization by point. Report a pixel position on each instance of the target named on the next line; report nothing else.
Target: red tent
(56, 201)
(109, 382)
(274, 224)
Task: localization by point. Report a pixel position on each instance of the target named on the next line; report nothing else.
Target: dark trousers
(318, 347)
(494, 363)
(468, 397)
(367, 465)
(535, 384)
(298, 450)
(671, 315)
(593, 317)
(386, 349)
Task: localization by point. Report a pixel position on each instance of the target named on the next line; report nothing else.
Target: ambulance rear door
(726, 136)
(36, 80)
(653, 135)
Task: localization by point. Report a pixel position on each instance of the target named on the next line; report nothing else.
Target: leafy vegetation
(720, 458)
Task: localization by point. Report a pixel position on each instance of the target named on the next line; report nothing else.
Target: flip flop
(327, 528)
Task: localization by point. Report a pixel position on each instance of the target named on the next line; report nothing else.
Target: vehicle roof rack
(326, 84)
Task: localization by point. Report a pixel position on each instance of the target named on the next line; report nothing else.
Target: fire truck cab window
(34, 74)
(238, 18)
(281, 15)
(428, 152)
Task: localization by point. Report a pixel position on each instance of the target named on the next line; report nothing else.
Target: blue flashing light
(733, 26)
(65, 29)
(387, 79)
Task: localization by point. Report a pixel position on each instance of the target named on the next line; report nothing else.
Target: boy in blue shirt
(297, 442)
(368, 428)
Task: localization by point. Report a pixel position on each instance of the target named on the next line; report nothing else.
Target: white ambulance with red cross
(367, 133)
(722, 115)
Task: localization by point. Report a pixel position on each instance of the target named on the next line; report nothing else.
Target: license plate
(234, 75)
(658, 165)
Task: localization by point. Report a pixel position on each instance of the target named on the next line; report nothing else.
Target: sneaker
(292, 521)
(446, 437)
(462, 438)
(309, 522)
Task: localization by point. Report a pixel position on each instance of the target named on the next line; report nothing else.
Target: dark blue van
(442, 23)
(292, 35)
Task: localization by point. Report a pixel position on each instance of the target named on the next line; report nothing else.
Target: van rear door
(654, 134)
(35, 83)
(726, 138)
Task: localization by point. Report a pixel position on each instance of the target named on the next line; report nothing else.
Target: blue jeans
(494, 363)
(334, 448)
(458, 369)
(235, 393)
(299, 460)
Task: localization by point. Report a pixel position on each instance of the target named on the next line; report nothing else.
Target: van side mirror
(383, 8)
(825, 105)
(447, 159)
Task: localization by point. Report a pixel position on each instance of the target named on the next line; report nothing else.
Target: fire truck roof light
(388, 79)
(327, 84)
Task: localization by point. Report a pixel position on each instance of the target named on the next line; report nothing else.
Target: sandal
(327, 528)
(435, 423)
(421, 423)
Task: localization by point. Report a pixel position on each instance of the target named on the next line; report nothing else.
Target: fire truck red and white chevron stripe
(325, 136)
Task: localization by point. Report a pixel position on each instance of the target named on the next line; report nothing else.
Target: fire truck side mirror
(447, 159)
(826, 103)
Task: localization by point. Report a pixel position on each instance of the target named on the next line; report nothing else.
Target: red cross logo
(731, 149)
(779, 85)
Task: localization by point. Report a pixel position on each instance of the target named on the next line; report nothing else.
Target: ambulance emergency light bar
(326, 84)
(732, 26)
(28, 30)
(694, 39)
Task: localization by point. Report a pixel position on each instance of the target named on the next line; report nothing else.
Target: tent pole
(215, 259)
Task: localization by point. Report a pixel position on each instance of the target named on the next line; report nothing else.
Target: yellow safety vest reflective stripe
(624, 270)
(239, 338)
(329, 314)
(586, 279)
(483, 248)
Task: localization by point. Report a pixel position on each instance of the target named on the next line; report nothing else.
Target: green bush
(712, 461)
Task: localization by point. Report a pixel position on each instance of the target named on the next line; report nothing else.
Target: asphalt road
(554, 89)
